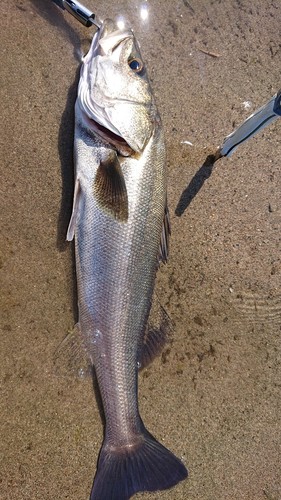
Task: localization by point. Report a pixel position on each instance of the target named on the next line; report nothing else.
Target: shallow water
(214, 396)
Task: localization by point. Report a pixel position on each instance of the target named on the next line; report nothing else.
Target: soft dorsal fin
(165, 236)
(110, 188)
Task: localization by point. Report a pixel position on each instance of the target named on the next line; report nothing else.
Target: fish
(120, 226)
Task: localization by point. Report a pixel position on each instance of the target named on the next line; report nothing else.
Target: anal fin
(71, 358)
(157, 334)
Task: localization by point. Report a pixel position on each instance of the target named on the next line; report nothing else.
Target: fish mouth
(107, 136)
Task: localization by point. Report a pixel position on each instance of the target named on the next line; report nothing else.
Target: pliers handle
(256, 122)
(81, 13)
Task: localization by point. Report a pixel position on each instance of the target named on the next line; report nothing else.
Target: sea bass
(119, 213)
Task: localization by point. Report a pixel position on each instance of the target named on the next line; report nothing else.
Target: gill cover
(113, 90)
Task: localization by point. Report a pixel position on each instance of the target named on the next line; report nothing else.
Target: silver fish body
(117, 220)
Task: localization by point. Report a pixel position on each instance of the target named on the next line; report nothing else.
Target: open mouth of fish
(106, 135)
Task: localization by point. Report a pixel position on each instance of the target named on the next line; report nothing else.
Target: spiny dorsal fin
(110, 188)
(165, 236)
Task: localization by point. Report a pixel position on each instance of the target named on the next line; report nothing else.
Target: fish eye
(136, 65)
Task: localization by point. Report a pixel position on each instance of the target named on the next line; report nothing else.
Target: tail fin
(148, 466)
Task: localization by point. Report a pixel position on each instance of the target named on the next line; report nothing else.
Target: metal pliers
(81, 13)
(256, 122)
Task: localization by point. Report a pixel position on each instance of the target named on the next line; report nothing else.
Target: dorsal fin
(165, 236)
(110, 188)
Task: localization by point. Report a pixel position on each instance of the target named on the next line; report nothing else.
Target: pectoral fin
(110, 188)
(72, 222)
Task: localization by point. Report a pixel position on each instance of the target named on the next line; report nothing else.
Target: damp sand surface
(214, 395)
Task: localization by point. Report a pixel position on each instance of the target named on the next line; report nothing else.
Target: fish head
(114, 91)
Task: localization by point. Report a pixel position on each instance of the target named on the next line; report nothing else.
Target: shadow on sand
(195, 185)
(52, 14)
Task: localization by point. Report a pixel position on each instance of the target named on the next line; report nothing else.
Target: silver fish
(118, 217)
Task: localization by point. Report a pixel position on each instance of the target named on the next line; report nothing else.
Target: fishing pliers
(254, 123)
(80, 12)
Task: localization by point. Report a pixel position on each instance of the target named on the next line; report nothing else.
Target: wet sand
(214, 395)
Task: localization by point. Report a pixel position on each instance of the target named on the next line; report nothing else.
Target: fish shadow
(50, 12)
(195, 185)
(53, 15)
(65, 148)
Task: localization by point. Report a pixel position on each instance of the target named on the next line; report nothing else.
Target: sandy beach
(214, 395)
